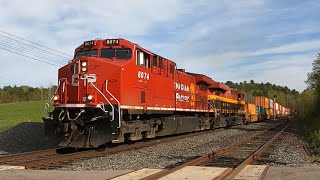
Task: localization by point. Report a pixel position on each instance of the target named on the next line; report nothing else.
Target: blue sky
(267, 41)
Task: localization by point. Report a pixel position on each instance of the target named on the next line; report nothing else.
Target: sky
(264, 40)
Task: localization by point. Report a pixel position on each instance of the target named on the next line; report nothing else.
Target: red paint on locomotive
(114, 90)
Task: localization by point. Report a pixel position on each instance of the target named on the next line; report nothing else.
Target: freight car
(114, 91)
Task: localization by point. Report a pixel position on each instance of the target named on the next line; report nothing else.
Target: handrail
(212, 106)
(46, 107)
(63, 92)
(119, 105)
(105, 99)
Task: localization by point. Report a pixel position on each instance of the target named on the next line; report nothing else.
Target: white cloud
(202, 36)
(226, 59)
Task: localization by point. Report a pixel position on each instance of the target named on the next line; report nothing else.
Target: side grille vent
(143, 97)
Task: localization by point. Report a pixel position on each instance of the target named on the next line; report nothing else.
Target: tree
(314, 76)
(25, 93)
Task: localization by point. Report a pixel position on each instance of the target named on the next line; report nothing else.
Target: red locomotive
(115, 91)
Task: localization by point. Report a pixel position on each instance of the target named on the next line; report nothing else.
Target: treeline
(10, 94)
(311, 101)
(282, 94)
(311, 96)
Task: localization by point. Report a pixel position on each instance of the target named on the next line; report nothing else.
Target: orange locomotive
(115, 91)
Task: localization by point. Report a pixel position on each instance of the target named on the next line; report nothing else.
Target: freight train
(114, 91)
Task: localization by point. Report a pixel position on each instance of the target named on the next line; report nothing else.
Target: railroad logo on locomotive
(184, 88)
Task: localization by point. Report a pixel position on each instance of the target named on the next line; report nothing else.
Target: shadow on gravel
(24, 137)
(296, 128)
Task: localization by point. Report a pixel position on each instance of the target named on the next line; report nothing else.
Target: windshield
(121, 53)
(89, 53)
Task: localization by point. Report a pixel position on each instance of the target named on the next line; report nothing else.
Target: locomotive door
(144, 77)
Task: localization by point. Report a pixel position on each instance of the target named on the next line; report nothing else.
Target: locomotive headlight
(90, 97)
(84, 66)
(56, 97)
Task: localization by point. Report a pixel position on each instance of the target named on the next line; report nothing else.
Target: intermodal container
(271, 104)
(271, 112)
(251, 108)
(277, 106)
(262, 101)
(260, 110)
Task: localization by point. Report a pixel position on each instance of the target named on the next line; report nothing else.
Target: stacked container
(261, 111)
(271, 113)
(251, 113)
(251, 108)
(271, 109)
(262, 101)
(276, 109)
(268, 109)
(271, 105)
(279, 111)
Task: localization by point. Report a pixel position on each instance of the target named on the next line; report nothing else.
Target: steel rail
(49, 159)
(254, 156)
(201, 160)
(27, 155)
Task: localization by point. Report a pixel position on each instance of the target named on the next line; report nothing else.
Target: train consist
(115, 91)
(264, 109)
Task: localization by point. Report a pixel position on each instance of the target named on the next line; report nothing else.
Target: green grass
(12, 114)
(315, 124)
(313, 137)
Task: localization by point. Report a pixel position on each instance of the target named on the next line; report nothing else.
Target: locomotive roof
(200, 78)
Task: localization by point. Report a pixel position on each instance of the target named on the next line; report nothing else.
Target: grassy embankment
(314, 135)
(12, 114)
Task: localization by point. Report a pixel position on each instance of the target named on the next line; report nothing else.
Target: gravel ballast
(167, 154)
(24, 137)
(288, 150)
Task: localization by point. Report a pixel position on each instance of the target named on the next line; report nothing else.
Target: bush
(314, 140)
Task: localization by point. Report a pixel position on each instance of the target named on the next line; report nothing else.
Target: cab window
(143, 59)
(120, 53)
(87, 53)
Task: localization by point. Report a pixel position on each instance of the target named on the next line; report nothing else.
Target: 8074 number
(143, 75)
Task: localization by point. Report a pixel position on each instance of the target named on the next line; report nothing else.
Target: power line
(27, 54)
(67, 55)
(29, 57)
(30, 47)
(28, 50)
(20, 46)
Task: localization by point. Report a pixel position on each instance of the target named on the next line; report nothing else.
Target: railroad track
(236, 155)
(56, 158)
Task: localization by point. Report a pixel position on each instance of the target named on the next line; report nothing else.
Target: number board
(112, 42)
(89, 43)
